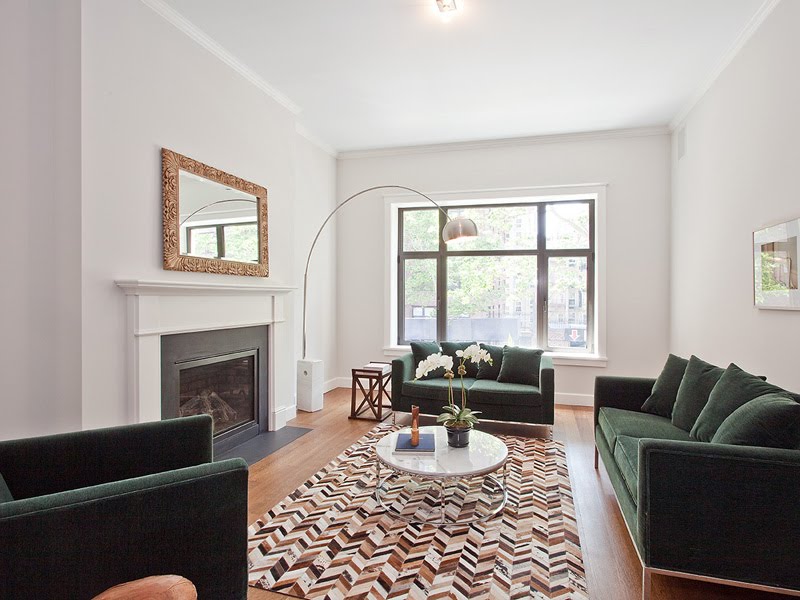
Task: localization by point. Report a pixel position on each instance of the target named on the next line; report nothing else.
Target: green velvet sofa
(88, 510)
(698, 510)
(497, 401)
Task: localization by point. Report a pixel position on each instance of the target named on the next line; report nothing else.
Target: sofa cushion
(772, 421)
(520, 365)
(450, 349)
(491, 371)
(734, 388)
(435, 389)
(421, 351)
(615, 422)
(665, 389)
(5, 493)
(626, 455)
(698, 381)
(487, 391)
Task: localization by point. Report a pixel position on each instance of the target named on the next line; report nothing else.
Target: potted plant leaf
(458, 419)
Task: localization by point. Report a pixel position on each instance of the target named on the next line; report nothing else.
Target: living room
(674, 123)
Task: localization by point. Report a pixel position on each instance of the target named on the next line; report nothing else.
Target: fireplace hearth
(222, 373)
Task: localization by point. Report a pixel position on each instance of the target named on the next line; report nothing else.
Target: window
(229, 241)
(527, 280)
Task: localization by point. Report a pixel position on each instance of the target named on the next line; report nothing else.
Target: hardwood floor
(613, 570)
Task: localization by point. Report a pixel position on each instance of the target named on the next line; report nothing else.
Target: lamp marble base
(309, 385)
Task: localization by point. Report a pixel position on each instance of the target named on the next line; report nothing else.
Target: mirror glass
(216, 221)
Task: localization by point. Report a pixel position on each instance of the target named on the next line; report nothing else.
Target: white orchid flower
(433, 362)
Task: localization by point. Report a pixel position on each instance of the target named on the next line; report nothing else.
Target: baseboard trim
(574, 399)
(282, 415)
(336, 382)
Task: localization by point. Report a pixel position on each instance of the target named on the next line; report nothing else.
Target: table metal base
(441, 519)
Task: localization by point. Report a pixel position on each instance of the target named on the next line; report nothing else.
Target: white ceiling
(383, 73)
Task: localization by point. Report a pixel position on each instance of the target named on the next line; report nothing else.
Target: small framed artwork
(775, 253)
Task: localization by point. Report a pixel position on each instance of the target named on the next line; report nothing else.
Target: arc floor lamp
(309, 372)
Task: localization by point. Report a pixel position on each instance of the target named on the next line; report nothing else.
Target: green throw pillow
(698, 381)
(520, 365)
(734, 388)
(487, 371)
(665, 389)
(450, 348)
(5, 493)
(771, 421)
(421, 351)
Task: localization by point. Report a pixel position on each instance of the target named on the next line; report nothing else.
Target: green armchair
(93, 509)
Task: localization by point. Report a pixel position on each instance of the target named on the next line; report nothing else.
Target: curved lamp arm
(333, 212)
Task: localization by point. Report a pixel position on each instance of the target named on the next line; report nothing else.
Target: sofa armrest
(55, 463)
(402, 370)
(628, 393)
(719, 510)
(191, 521)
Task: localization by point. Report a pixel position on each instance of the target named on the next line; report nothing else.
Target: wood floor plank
(613, 570)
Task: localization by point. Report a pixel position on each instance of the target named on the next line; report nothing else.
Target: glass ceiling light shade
(460, 227)
(446, 5)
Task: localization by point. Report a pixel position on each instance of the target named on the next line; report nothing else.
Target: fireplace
(222, 373)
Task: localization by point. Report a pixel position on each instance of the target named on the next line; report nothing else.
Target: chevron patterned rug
(330, 539)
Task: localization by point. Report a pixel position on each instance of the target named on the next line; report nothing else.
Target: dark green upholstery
(496, 401)
(421, 351)
(491, 371)
(615, 422)
(626, 455)
(771, 421)
(733, 389)
(96, 508)
(698, 381)
(435, 389)
(487, 391)
(665, 389)
(450, 349)
(716, 510)
(520, 365)
(5, 493)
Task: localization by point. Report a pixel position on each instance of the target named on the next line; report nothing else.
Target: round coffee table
(484, 456)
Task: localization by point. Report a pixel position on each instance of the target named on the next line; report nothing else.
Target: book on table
(427, 444)
(382, 367)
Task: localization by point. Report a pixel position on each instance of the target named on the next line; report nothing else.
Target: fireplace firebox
(222, 373)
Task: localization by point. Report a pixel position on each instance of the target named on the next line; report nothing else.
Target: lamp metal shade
(460, 227)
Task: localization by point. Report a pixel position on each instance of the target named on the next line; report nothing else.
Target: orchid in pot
(457, 418)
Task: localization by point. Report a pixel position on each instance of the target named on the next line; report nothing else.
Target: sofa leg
(646, 583)
(595, 457)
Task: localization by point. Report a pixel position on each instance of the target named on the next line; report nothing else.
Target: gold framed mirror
(214, 222)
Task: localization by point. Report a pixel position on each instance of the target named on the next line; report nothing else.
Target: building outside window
(527, 280)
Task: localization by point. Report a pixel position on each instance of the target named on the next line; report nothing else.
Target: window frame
(219, 229)
(541, 251)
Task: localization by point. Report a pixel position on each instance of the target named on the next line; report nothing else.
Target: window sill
(559, 358)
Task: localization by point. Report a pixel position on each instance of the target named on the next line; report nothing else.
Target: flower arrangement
(455, 415)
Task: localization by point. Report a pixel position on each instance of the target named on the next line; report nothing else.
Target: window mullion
(541, 278)
(441, 284)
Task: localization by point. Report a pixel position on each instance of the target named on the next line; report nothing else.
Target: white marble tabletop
(484, 454)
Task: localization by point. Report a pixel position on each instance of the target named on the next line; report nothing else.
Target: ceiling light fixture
(446, 5)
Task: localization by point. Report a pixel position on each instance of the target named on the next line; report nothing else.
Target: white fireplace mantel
(158, 307)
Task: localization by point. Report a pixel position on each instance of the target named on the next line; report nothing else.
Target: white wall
(40, 187)
(147, 85)
(637, 172)
(739, 173)
(315, 188)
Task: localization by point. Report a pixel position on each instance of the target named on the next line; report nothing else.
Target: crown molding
(744, 36)
(172, 16)
(608, 134)
(304, 132)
